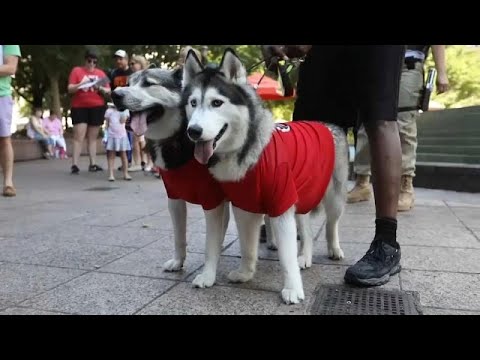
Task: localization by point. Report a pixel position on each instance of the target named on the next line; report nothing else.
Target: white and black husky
(235, 136)
(154, 100)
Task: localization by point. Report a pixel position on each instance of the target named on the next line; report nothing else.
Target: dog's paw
(304, 262)
(204, 280)
(335, 254)
(237, 276)
(271, 246)
(173, 265)
(292, 296)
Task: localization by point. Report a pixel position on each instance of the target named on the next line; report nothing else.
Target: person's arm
(10, 65)
(438, 52)
(103, 89)
(73, 88)
(74, 81)
(37, 126)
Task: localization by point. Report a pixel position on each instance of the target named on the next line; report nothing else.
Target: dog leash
(273, 62)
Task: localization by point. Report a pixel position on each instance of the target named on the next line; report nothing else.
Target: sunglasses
(92, 61)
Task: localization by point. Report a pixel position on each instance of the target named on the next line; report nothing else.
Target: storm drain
(102, 188)
(340, 300)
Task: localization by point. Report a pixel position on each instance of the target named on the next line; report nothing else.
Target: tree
(43, 74)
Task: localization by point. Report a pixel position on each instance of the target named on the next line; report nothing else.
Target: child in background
(36, 131)
(53, 125)
(117, 140)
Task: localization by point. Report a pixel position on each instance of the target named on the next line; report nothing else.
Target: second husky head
(219, 104)
(153, 98)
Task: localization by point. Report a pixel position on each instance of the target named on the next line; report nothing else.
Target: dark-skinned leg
(383, 258)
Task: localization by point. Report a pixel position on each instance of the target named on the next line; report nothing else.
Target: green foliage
(463, 71)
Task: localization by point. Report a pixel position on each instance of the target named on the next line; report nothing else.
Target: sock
(386, 229)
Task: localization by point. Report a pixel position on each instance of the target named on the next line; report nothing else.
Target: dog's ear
(192, 67)
(233, 68)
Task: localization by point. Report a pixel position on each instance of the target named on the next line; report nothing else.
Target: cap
(120, 53)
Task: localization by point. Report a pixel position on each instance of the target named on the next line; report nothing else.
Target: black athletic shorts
(94, 116)
(347, 85)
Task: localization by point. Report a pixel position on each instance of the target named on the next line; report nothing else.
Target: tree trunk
(55, 94)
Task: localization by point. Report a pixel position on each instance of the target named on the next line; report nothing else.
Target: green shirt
(6, 81)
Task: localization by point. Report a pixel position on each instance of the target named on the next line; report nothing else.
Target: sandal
(9, 191)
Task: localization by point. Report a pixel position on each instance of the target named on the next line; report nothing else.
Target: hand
(442, 83)
(85, 80)
(271, 54)
(284, 52)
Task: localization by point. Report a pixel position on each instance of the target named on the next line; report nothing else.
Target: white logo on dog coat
(282, 127)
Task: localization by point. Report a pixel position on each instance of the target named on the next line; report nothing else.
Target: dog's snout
(194, 132)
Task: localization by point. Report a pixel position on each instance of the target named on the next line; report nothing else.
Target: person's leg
(111, 165)
(6, 148)
(135, 154)
(123, 155)
(361, 166)
(143, 154)
(378, 102)
(92, 136)
(386, 158)
(6, 160)
(79, 131)
(50, 146)
(411, 85)
(95, 120)
(129, 152)
(61, 142)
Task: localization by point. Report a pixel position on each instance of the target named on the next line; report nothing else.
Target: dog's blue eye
(217, 103)
(193, 102)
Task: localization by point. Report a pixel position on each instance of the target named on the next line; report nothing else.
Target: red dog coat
(294, 169)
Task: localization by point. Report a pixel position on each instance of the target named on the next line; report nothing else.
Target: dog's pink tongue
(139, 123)
(203, 151)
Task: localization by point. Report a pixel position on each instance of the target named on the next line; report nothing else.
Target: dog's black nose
(117, 100)
(194, 132)
(116, 96)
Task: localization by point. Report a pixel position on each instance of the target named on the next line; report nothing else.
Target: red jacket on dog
(193, 183)
(294, 169)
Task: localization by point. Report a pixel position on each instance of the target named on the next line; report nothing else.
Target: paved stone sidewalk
(81, 245)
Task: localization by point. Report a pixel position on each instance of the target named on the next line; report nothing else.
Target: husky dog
(153, 98)
(262, 169)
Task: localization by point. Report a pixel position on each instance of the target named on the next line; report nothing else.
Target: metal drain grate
(341, 300)
(102, 188)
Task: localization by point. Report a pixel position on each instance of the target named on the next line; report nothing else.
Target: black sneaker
(380, 262)
(75, 169)
(94, 168)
